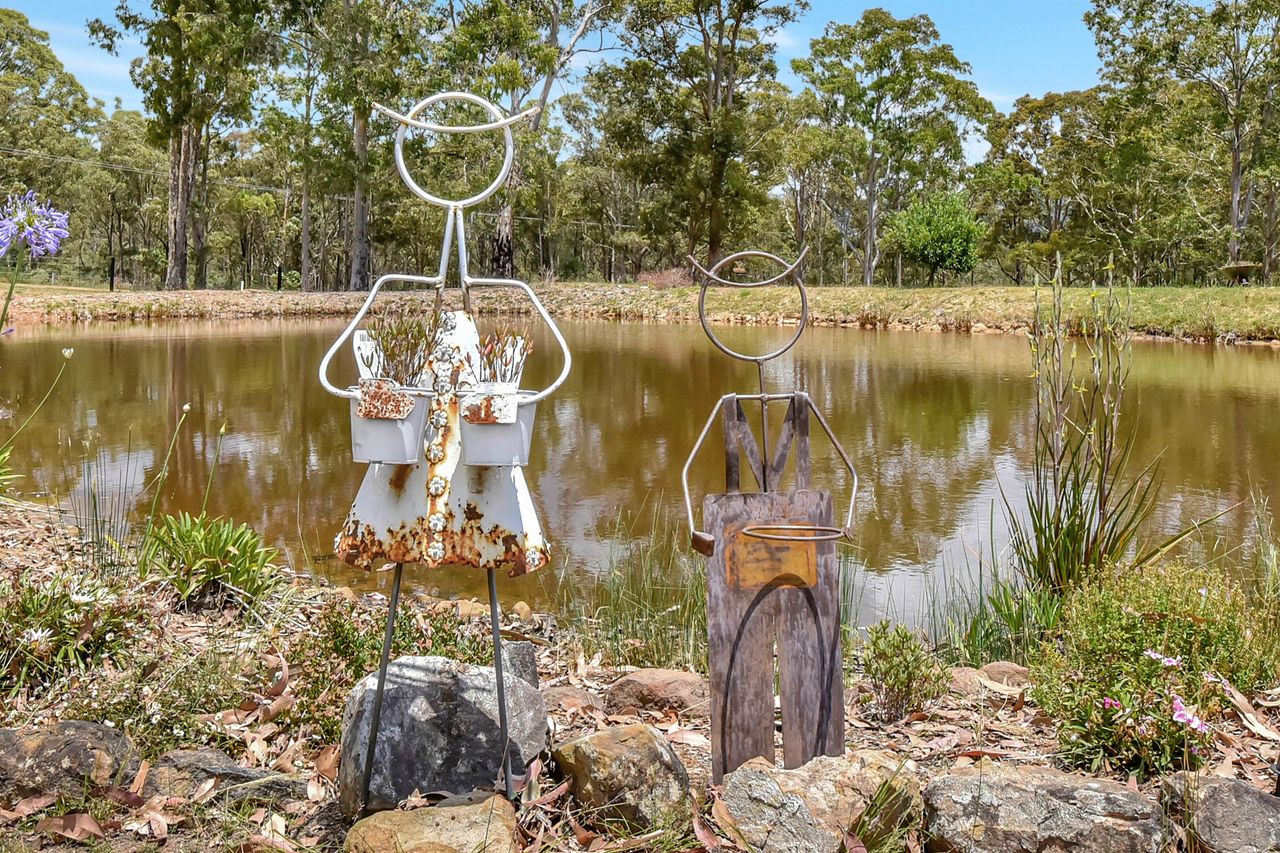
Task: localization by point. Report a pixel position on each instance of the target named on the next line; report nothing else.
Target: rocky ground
(609, 759)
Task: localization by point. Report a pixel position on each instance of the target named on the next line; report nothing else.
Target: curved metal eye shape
(500, 121)
(713, 275)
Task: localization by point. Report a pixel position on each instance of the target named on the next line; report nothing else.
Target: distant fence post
(279, 277)
(111, 274)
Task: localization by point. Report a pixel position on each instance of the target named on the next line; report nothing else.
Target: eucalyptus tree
(1229, 48)
(201, 60)
(897, 100)
(47, 114)
(685, 90)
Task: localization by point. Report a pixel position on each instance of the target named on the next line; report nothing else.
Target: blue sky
(1016, 47)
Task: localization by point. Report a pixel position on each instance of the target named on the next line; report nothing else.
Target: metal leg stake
(375, 717)
(502, 690)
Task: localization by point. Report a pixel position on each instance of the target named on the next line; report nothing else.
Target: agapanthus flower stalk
(38, 226)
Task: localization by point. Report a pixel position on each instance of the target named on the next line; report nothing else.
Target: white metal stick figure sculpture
(772, 575)
(445, 485)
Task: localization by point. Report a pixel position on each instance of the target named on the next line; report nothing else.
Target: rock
(810, 808)
(1007, 673)
(182, 773)
(1009, 809)
(520, 660)
(660, 690)
(439, 731)
(964, 680)
(522, 611)
(68, 758)
(566, 697)
(627, 773)
(1225, 815)
(475, 823)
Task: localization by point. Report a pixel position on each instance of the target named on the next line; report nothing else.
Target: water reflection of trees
(924, 417)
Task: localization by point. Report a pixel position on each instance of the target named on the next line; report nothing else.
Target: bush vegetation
(1134, 670)
(209, 562)
(904, 674)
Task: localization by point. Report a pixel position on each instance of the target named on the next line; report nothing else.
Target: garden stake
(445, 485)
(772, 575)
(375, 715)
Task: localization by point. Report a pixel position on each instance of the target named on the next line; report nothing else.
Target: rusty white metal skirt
(441, 511)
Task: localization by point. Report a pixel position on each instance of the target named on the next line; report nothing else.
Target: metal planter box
(391, 441)
(496, 428)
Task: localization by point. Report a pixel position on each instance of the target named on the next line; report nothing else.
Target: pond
(936, 424)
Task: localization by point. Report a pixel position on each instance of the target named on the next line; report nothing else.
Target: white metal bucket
(388, 440)
(496, 430)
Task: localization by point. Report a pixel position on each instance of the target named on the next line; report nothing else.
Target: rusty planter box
(391, 441)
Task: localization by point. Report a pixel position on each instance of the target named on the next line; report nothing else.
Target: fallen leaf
(689, 737)
(327, 762)
(852, 844)
(703, 833)
(27, 806)
(584, 835)
(77, 827)
(552, 795)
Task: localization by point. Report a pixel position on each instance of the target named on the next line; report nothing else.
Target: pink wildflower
(1111, 704)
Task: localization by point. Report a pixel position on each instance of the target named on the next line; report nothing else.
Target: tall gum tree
(1231, 48)
(200, 62)
(899, 101)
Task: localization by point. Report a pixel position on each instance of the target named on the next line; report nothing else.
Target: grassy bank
(1221, 313)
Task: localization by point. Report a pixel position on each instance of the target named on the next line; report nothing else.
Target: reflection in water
(936, 424)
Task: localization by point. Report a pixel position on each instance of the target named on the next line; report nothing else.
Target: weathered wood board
(764, 594)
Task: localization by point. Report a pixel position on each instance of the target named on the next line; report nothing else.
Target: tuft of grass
(210, 561)
(650, 609)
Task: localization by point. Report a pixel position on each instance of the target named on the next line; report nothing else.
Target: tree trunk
(1237, 171)
(200, 220)
(181, 148)
(360, 245)
(869, 234)
(504, 250)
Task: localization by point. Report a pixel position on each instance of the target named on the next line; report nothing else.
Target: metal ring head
(713, 275)
(508, 158)
(795, 532)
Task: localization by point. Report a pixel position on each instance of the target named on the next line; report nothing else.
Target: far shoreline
(1198, 315)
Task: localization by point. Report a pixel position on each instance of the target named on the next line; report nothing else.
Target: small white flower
(436, 521)
(68, 352)
(436, 487)
(186, 407)
(37, 636)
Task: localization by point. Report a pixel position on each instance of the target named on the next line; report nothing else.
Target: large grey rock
(811, 807)
(520, 660)
(660, 690)
(439, 731)
(184, 772)
(1010, 809)
(626, 773)
(1224, 815)
(475, 823)
(70, 758)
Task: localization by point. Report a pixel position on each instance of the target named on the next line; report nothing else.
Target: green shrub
(344, 642)
(904, 675)
(210, 561)
(1133, 673)
(53, 625)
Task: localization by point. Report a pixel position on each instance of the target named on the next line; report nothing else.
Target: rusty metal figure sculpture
(772, 574)
(445, 485)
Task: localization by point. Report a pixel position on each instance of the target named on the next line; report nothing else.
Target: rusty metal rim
(815, 532)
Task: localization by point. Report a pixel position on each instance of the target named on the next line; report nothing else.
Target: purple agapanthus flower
(37, 225)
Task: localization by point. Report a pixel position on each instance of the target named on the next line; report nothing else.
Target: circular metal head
(500, 122)
(713, 275)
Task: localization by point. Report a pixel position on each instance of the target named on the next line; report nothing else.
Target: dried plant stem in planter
(404, 338)
(502, 356)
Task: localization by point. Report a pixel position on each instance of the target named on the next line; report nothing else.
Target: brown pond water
(935, 424)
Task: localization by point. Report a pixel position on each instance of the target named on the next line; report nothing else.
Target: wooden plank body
(750, 610)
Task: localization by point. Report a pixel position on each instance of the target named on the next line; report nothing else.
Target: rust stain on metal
(480, 411)
(752, 563)
(471, 513)
(381, 400)
(399, 478)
